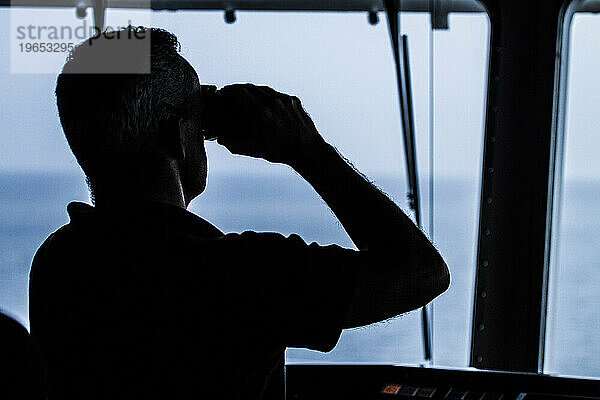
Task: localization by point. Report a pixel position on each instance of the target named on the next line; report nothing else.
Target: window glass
(342, 69)
(573, 335)
(460, 77)
(38, 174)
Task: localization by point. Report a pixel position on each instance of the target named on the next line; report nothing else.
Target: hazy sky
(342, 69)
(339, 65)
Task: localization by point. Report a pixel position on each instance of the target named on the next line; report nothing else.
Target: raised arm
(400, 270)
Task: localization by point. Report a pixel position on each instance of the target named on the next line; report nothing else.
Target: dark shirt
(150, 301)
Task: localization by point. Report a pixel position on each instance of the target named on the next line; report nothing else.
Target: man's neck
(162, 187)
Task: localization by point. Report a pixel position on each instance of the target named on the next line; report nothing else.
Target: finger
(269, 91)
(242, 97)
(208, 90)
(299, 110)
(230, 144)
(284, 103)
(243, 106)
(285, 99)
(240, 147)
(266, 105)
(268, 94)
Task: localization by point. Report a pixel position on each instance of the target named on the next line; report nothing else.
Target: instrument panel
(309, 382)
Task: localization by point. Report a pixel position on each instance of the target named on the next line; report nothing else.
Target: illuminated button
(408, 391)
(475, 396)
(391, 388)
(456, 394)
(426, 393)
(493, 396)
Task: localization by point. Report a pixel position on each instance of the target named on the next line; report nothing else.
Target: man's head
(129, 130)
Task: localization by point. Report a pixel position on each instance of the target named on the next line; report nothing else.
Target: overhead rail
(258, 5)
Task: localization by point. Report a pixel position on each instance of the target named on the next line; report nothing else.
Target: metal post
(510, 290)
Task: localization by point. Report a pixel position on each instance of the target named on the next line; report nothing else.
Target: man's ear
(175, 136)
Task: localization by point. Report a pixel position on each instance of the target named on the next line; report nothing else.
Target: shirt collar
(144, 213)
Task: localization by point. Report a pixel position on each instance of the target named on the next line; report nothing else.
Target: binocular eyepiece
(221, 116)
(211, 111)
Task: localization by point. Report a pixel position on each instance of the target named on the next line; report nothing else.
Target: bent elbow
(442, 278)
(439, 280)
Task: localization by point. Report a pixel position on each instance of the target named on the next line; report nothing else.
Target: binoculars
(220, 116)
(213, 109)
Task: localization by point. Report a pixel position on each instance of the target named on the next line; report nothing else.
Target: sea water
(34, 205)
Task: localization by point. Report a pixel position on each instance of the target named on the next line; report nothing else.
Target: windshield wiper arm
(401, 62)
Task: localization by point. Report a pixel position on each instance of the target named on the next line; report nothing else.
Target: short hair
(113, 121)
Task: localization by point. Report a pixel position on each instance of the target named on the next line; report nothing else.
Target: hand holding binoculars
(214, 110)
(257, 121)
(230, 112)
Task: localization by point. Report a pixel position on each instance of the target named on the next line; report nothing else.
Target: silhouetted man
(137, 298)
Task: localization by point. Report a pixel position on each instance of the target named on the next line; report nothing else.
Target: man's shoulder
(54, 241)
(46, 256)
(261, 236)
(267, 248)
(258, 240)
